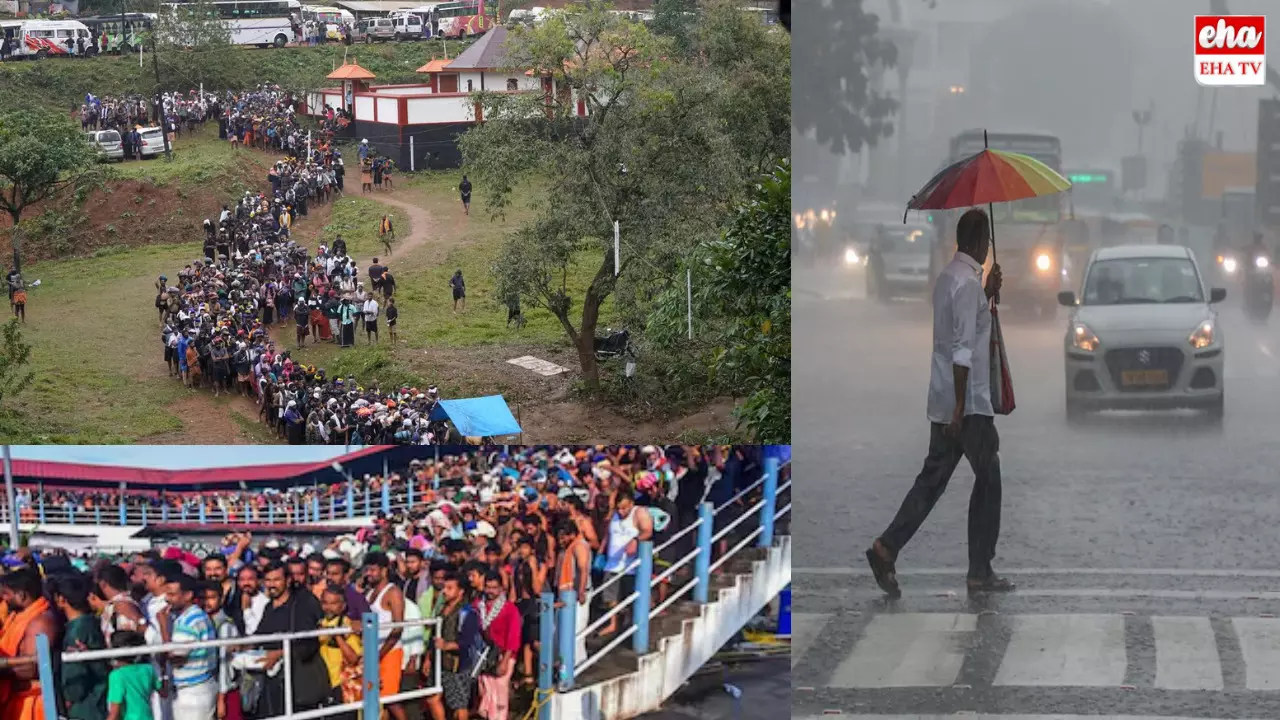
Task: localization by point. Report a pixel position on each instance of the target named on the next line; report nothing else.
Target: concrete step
(622, 685)
(622, 660)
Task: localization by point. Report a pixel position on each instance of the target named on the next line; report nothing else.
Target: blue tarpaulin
(478, 417)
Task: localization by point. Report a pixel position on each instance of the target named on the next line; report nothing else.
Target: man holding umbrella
(961, 415)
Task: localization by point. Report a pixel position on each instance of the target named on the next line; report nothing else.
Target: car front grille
(1121, 360)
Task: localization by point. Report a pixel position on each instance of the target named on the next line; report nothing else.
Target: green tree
(676, 19)
(752, 62)
(42, 152)
(652, 154)
(834, 98)
(193, 47)
(15, 355)
(742, 309)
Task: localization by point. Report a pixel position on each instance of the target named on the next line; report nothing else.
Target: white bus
(264, 23)
(46, 38)
(332, 17)
(463, 18)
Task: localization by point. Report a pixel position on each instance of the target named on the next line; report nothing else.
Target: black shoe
(990, 584)
(885, 573)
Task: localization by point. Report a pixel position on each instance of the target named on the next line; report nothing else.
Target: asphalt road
(1144, 544)
(765, 694)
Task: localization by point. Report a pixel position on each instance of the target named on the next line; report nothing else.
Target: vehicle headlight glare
(1082, 338)
(1261, 262)
(1043, 262)
(1229, 264)
(850, 256)
(1202, 336)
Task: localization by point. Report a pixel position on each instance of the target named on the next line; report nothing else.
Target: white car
(152, 142)
(1143, 334)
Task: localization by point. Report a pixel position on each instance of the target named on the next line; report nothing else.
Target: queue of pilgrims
(487, 533)
(216, 321)
(263, 117)
(175, 112)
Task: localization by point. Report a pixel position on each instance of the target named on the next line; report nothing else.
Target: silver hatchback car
(1143, 334)
(108, 144)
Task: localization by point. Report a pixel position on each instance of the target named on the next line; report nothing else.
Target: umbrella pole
(991, 217)
(991, 213)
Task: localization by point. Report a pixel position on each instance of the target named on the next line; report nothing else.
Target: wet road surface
(1144, 545)
(765, 694)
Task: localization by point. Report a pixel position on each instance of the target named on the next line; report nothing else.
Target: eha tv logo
(1231, 50)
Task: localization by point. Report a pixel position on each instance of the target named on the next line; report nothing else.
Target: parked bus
(332, 17)
(463, 18)
(125, 32)
(46, 38)
(264, 23)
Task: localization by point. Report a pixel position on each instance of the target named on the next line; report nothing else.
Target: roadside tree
(42, 152)
(652, 154)
(742, 300)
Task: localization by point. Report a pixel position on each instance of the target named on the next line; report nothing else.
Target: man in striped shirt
(193, 674)
(228, 707)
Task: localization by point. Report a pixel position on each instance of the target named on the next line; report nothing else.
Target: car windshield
(151, 134)
(904, 241)
(1131, 281)
(109, 136)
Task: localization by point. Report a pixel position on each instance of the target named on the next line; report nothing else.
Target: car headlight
(1043, 262)
(1261, 262)
(1202, 336)
(1229, 264)
(1082, 338)
(851, 257)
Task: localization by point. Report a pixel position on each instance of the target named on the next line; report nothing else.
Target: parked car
(370, 29)
(406, 27)
(152, 142)
(107, 143)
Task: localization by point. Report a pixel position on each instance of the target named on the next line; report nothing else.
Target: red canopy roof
(351, 71)
(51, 470)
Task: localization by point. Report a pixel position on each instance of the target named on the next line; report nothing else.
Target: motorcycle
(616, 344)
(1227, 268)
(1259, 289)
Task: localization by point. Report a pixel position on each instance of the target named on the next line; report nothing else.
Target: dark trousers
(980, 443)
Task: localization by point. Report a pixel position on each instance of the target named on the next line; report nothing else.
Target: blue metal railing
(560, 641)
(371, 703)
(282, 511)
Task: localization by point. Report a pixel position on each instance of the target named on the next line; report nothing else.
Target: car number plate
(1130, 378)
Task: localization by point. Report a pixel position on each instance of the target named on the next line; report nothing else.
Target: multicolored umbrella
(984, 178)
(990, 176)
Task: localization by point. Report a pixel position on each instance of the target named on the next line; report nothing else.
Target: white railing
(558, 635)
(356, 506)
(370, 630)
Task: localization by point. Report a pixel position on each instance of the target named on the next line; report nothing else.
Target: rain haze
(1106, 546)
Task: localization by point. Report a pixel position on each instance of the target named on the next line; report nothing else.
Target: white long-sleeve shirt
(961, 336)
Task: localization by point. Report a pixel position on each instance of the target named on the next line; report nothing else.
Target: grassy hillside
(64, 83)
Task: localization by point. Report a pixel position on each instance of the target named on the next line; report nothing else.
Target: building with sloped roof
(418, 125)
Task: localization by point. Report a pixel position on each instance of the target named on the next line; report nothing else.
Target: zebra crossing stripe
(908, 650)
(1260, 646)
(899, 650)
(986, 716)
(1065, 651)
(1187, 654)
(805, 628)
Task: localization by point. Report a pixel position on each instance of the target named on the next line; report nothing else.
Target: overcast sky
(177, 457)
